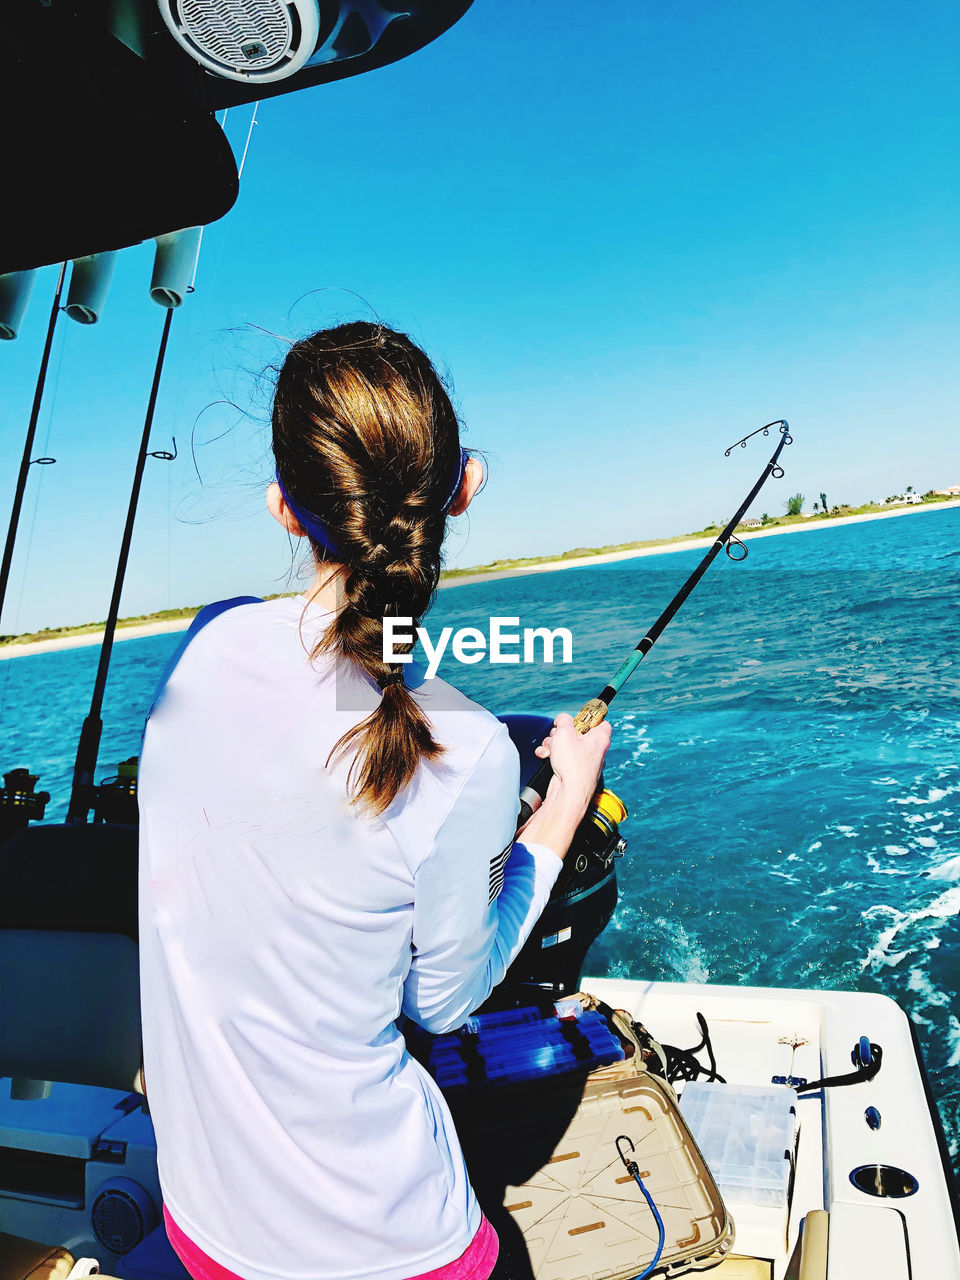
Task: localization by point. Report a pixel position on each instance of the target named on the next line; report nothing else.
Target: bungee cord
(631, 1166)
(594, 711)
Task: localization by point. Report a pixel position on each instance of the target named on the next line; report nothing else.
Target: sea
(789, 753)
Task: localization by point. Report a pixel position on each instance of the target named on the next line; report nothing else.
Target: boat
(862, 1186)
(858, 1180)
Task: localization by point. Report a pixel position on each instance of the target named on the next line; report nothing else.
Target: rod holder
(174, 265)
(15, 291)
(89, 283)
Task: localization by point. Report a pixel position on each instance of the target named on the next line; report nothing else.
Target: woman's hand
(577, 759)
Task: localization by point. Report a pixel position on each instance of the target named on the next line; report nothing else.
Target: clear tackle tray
(746, 1134)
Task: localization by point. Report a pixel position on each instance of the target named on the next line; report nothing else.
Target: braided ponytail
(364, 433)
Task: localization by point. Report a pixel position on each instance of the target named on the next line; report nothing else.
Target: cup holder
(884, 1180)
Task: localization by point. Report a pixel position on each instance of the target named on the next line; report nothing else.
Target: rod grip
(590, 715)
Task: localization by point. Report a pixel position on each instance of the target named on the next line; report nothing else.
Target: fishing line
(170, 537)
(246, 145)
(214, 276)
(243, 161)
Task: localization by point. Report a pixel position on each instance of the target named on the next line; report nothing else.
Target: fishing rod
(26, 461)
(593, 711)
(82, 790)
(174, 277)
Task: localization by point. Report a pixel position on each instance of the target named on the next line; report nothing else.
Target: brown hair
(365, 437)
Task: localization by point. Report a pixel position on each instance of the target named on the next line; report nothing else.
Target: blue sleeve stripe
(206, 614)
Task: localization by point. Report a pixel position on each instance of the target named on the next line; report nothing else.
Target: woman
(326, 842)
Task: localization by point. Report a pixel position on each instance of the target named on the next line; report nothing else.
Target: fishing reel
(583, 898)
(580, 906)
(20, 803)
(115, 799)
(596, 843)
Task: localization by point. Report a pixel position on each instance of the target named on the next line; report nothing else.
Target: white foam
(942, 908)
(933, 796)
(894, 850)
(875, 866)
(953, 1041)
(949, 870)
(685, 955)
(817, 844)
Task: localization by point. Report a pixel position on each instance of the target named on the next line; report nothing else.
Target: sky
(628, 234)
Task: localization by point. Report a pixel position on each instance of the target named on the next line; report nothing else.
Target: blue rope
(659, 1221)
(634, 1171)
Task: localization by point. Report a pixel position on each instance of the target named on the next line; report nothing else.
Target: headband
(317, 529)
(458, 481)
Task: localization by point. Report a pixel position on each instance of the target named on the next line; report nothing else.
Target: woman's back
(277, 925)
(327, 840)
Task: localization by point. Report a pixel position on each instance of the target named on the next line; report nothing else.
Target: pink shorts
(475, 1263)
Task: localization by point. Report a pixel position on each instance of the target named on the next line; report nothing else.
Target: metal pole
(89, 746)
(28, 442)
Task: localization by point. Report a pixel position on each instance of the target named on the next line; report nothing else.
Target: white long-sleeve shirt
(281, 934)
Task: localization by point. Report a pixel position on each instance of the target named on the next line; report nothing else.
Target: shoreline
(687, 544)
(141, 631)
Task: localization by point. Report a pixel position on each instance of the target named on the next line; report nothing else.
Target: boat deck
(758, 1034)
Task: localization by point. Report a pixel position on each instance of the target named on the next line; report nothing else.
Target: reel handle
(588, 717)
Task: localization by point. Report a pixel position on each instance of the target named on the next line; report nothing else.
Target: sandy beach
(687, 544)
(15, 650)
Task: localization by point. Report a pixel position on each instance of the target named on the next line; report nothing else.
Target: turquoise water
(789, 753)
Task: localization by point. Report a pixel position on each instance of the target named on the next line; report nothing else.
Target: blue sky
(630, 233)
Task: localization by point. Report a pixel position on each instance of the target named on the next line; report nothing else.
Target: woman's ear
(282, 513)
(471, 482)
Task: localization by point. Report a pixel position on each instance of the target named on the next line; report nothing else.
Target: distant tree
(764, 519)
(909, 488)
(816, 507)
(794, 505)
(823, 502)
